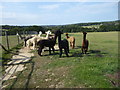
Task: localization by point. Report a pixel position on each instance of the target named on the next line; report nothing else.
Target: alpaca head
(40, 32)
(66, 34)
(58, 32)
(84, 33)
(48, 32)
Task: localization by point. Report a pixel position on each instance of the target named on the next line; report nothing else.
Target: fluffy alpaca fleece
(71, 40)
(33, 41)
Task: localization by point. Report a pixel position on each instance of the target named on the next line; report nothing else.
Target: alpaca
(24, 38)
(47, 43)
(62, 44)
(47, 34)
(35, 39)
(71, 40)
(85, 43)
(40, 33)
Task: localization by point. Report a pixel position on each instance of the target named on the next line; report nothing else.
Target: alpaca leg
(60, 52)
(70, 44)
(28, 45)
(67, 47)
(40, 51)
(25, 43)
(49, 50)
(53, 49)
(86, 50)
(82, 50)
(66, 52)
(73, 44)
(34, 45)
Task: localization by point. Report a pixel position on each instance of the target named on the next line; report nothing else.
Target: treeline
(101, 27)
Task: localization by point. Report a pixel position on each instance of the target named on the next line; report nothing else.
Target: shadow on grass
(28, 77)
(96, 53)
(18, 75)
(6, 55)
(51, 54)
(77, 54)
(78, 47)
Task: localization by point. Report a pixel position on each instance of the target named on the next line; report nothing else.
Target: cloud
(91, 8)
(1, 7)
(53, 6)
(19, 18)
(67, 13)
(93, 12)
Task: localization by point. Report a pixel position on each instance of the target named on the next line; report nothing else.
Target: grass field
(92, 26)
(13, 41)
(96, 69)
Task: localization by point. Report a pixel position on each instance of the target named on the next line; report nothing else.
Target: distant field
(91, 26)
(96, 69)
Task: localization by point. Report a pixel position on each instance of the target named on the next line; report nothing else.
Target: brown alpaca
(71, 40)
(85, 43)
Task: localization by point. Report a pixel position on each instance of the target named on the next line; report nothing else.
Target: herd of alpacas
(40, 43)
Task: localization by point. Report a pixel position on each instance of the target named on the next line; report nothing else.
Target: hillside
(89, 27)
(78, 27)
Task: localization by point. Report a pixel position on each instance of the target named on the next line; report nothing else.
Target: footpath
(17, 64)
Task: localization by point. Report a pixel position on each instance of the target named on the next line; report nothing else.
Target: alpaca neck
(84, 37)
(55, 38)
(67, 36)
(47, 36)
(59, 38)
(39, 35)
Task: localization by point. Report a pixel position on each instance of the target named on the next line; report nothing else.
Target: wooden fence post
(18, 38)
(7, 40)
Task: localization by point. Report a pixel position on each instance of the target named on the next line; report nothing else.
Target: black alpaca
(46, 43)
(63, 44)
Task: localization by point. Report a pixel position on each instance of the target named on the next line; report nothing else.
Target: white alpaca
(35, 39)
(47, 35)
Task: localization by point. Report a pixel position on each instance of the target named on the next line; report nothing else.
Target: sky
(18, 12)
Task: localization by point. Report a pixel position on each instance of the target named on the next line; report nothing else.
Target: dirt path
(16, 64)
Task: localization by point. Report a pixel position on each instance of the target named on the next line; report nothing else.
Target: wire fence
(9, 40)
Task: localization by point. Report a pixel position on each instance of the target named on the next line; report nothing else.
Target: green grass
(13, 41)
(13, 46)
(7, 55)
(76, 71)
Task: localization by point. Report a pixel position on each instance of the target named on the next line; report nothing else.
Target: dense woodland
(79, 27)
